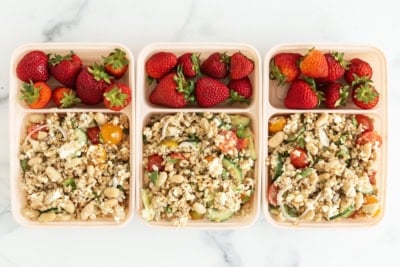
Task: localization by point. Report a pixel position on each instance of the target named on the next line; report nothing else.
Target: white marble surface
(260, 23)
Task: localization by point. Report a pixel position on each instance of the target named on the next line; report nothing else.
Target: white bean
(322, 120)
(68, 206)
(162, 177)
(47, 217)
(276, 140)
(112, 192)
(53, 174)
(176, 178)
(199, 208)
(87, 211)
(35, 161)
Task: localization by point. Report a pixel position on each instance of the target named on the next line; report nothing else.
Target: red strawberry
(301, 95)
(216, 65)
(117, 96)
(336, 67)
(65, 97)
(314, 64)
(284, 67)
(116, 63)
(65, 69)
(172, 91)
(365, 95)
(240, 66)
(210, 92)
(36, 95)
(33, 67)
(335, 95)
(160, 64)
(93, 134)
(359, 68)
(91, 83)
(190, 64)
(241, 90)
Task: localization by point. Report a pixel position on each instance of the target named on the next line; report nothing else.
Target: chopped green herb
(279, 166)
(120, 187)
(125, 131)
(173, 161)
(168, 209)
(70, 182)
(291, 211)
(355, 122)
(153, 176)
(24, 165)
(144, 139)
(193, 138)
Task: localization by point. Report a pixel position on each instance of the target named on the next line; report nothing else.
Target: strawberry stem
(30, 93)
(116, 97)
(117, 59)
(56, 59)
(99, 73)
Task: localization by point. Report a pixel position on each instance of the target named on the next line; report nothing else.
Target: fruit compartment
(381, 175)
(372, 55)
(89, 54)
(18, 196)
(205, 49)
(238, 220)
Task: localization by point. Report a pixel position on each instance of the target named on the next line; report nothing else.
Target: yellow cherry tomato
(276, 124)
(111, 134)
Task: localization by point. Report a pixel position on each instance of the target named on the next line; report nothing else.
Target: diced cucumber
(24, 164)
(145, 198)
(81, 136)
(250, 146)
(218, 216)
(232, 169)
(344, 214)
(237, 120)
(279, 167)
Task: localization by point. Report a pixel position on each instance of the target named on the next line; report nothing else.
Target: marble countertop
(262, 24)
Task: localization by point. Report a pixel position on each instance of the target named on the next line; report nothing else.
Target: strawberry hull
(21, 116)
(275, 106)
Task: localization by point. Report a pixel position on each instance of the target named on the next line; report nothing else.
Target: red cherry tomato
(299, 159)
(155, 162)
(273, 190)
(177, 155)
(366, 122)
(242, 143)
(93, 133)
(369, 137)
(33, 128)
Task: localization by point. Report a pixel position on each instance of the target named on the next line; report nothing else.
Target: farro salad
(75, 166)
(197, 166)
(322, 167)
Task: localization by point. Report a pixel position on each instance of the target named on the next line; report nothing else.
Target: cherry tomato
(155, 162)
(33, 128)
(366, 122)
(372, 177)
(276, 124)
(369, 137)
(242, 143)
(93, 135)
(228, 141)
(273, 190)
(112, 134)
(299, 159)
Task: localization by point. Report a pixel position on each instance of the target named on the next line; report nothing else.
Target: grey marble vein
(58, 27)
(3, 94)
(283, 258)
(179, 35)
(222, 240)
(6, 262)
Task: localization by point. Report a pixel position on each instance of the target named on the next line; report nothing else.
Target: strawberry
(93, 134)
(64, 97)
(65, 69)
(365, 95)
(336, 67)
(301, 95)
(284, 67)
(190, 63)
(33, 67)
(210, 92)
(36, 95)
(314, 64)
(335, 94)
(160, 64)
(91, 83)
(172, 91)
(358, 68)
(240, 66)
(241, 90)
(216, 65)
(116, 63)
(117, 96)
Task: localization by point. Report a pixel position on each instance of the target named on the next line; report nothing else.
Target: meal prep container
(144, 110)
(273, 104)
(89, 53)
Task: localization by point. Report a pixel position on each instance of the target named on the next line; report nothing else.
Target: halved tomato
(155, 160)
(366, 122)
(369, 137)
(299, 159)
